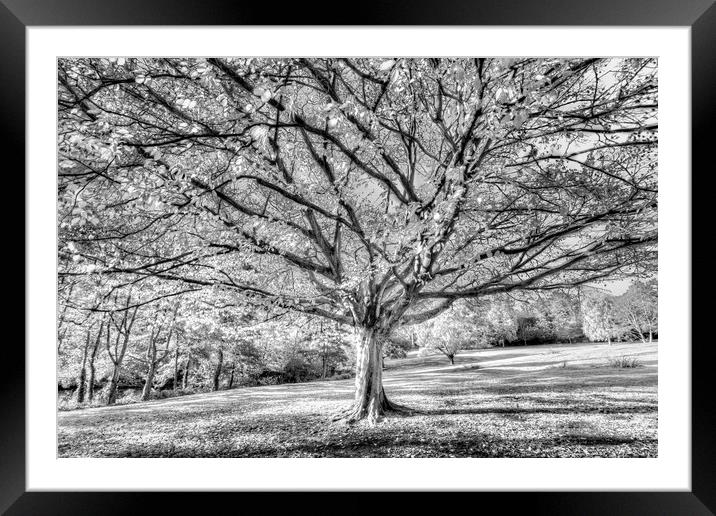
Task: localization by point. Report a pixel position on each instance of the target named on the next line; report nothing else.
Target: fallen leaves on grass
(551, 412)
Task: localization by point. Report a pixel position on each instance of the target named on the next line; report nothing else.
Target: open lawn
(534, 401)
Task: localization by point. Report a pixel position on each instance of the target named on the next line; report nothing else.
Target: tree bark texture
(92, 357)
(217, 371)
(83, 372)
(185, 377)
(231, 376)
(175, 384)
(370, 402)
(151, 369)
(114, 381)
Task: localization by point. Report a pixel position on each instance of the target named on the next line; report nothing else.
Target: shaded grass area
(493, 403)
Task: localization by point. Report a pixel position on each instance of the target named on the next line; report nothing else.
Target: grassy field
(533, 401)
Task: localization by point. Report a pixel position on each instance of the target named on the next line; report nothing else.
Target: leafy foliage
(600, 317)
(314, 184)
(638, 308)
(370, 193)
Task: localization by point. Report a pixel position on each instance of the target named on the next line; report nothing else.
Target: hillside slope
(534, 401)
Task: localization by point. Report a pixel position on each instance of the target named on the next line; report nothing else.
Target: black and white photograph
(359, 257)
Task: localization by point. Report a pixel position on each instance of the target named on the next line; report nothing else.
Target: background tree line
(129, 351)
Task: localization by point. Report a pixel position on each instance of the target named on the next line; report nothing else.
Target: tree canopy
(372, 192)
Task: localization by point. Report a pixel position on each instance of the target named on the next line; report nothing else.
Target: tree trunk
(452, 359)
(175, 385)
(651, 336)
(151, 368)
(93, 355)
(370, 402)
(217, 371)
(231, 376)
(147, 390)
(83, 373)
(81, 386)
(117, 359)
(61, 334)
(90, 382)
(185, 379)
(112, 391)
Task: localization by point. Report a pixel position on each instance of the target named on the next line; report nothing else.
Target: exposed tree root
(370, 403)
(355, 414)
(400, 409)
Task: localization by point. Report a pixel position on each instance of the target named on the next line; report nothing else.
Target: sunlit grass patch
(522, 405)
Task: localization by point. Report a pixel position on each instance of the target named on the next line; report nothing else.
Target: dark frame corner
(700, 15)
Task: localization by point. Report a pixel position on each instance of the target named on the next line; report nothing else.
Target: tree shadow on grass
(506, 366)
(574, 410)
(371, 445)
(441, 364)
(569, 386)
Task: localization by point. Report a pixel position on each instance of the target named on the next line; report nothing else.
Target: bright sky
(615, 287)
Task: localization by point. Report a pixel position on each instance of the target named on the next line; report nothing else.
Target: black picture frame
(699, 15)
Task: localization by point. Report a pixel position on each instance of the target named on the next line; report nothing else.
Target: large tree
(452, 331)
(638, 308)
(372, 192)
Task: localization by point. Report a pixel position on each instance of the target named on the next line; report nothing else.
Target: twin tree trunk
(88, 358)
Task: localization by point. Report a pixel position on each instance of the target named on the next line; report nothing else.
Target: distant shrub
(67, 403)
(396, 350)
(167, 393)
(624, 362)
(341, 376)
(128, 396)
(271, 378)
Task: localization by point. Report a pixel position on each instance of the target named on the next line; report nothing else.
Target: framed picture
(426, 248)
